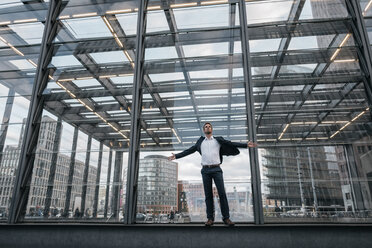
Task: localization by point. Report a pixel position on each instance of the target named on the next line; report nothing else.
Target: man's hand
(252, 144)
(173, 157)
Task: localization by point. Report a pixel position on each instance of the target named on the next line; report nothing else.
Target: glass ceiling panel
(128, 22)
(262, 11)
(206, 49)
(366, 7)
(22, 64)
(10, 3)
(109, 57)
(256, 46)
(30, 32)
(209, 74)
(86, 83)
(166, 76)
(304, 68)
(64, 61)
(156, 21)
(238, 72)
(309, 42)
(107, 99)
(202, 17)
(84, 28)
(328, 9)
(160, 53)
(126, 80)
(306, 12)
(261, 70)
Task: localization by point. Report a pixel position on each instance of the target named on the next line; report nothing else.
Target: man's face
(208, 129)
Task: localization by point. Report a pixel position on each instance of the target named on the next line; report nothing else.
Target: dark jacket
(227, 147)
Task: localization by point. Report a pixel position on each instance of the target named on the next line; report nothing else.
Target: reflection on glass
(188, 83)
(312, 124)
(20, 39)
(312, 109)
(83, 140)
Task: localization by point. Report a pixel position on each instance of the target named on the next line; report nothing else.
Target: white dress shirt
(210, 150)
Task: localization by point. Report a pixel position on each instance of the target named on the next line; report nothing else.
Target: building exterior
(157, 185)
(298, 179)
(40, 175)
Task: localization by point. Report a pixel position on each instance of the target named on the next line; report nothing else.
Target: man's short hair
(206, 124)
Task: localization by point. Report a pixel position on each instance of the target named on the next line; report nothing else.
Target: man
(212, 149)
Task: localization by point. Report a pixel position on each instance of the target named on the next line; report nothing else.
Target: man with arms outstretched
(212, 149)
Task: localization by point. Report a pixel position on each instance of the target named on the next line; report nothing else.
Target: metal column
(85, 175)
(108, 184)
(71, 173)
(96, 191)
(362, 41)
(312, 180)
(251, 122)
(299, 180)
(133, 160)
(29, 143)
(6, 118)
(116, 192)
(356, 188)
(53, 167)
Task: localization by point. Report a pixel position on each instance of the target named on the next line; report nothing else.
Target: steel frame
(142, 84)
(31, 133)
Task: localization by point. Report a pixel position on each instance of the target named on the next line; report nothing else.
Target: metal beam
(133, 160)
(303, 28)
(107, 195)
(296, 57)
(98, 177)
(232, 14)
(356, 188)
(117, 185)
(71, 173)
(52, 168)
(251, 123)
(26, 160)
(85, 175)
(5, 121)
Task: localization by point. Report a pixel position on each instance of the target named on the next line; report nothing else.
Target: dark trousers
(214, 173)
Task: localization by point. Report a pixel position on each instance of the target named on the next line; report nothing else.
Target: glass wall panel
(311, 105)
(83, 140)
(21, 31)
(193, 74)
(312, 114)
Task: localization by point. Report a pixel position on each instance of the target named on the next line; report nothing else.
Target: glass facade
(95, 95)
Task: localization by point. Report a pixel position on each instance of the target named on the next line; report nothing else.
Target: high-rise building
(157, 185)
(357, 194)
(40, 174)
(301, 178)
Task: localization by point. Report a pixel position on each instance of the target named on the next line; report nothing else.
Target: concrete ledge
(275, 236)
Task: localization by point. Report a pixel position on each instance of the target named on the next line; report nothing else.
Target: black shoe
(228, 222)
(209, 222)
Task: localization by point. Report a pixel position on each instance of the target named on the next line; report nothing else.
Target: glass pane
(312, 115)
(83, 141)
(188, 82)
(21, 33)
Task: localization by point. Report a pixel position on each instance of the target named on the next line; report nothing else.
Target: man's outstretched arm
(183, 154)
(242, 145)
(245, 145)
